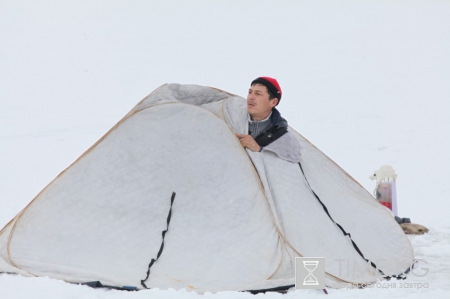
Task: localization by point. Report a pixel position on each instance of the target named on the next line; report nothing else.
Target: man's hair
(271, 95)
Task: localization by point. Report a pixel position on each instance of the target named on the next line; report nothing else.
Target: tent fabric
(238, 221)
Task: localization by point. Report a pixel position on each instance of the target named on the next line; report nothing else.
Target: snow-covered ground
(368, 82)
(430, 279)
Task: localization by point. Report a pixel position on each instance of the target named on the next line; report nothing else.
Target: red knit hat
(271, 84)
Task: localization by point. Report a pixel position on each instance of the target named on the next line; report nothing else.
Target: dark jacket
(278, 127)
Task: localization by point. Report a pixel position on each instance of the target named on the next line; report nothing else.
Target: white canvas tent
(238, 219)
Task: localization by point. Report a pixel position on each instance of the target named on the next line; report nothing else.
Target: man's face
(258, 103)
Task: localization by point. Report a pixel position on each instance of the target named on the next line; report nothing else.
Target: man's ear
(274, 102)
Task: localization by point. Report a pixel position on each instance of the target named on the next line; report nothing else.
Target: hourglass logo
(309, 272)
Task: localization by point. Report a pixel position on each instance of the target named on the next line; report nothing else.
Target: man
(265, 122)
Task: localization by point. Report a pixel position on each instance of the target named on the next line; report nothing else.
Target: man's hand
(248, 142)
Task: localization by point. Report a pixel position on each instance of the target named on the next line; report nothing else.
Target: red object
(274, 82)
(387, 204)
(384, 194)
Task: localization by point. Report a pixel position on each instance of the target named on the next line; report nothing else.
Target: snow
(366, 81)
